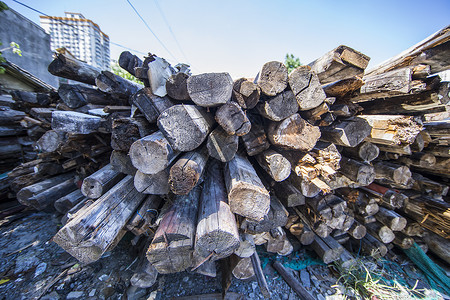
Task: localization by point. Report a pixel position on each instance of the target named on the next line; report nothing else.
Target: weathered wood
(101, 181)
(74, 122)
(308, 188)
(149, 104)
(389, 198)
(246, 246)
(357, 171)
(186, 172)
(340, 63)
(403, 241)
(129, 61)
(365, 151)
(288, 194)
(246, 194)
(111, 83)
(357, 231)
(371, 246)
(293, 133)
(245, 93)
(50, 195)
(65, 203)
(155, 184)
(176, 86)
(232, 119)
(343, 87)
(11, 130)
(381, 232)
(10, 116)
(392, 172)
(419, 160)
(197, 124)
(303, 233)
(273, 78)
(159, 70)
(277, 166)
(145, 274)
(221, 145)
(31, 98)
(306, 87)
(349, 132)
(76, 95)
(327, 249)
(260, 277)
(210, 89)
(51, 140)
(438, 245)
(121, 162)
(312, 221)
(292, 281)
(152, 154)
(426, 185)
(314, 116)
(256, 140)
(242, 267)
(143, 222)
(171, 258)
(74, 69)
(217, 231)
(391, 219)
(279, 107)
(125, 131)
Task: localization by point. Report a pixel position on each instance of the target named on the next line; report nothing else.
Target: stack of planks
(204, 168)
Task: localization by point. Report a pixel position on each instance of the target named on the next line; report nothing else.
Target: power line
(148, 27)
(170, 29)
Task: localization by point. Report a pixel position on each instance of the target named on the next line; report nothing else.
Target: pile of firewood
(202, 168)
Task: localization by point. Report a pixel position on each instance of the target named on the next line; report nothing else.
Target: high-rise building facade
(82, 37)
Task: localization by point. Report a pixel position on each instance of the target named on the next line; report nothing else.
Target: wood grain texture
(306, 87)
(210, 89)
(232, 119)
(273, 78)
(221, 145)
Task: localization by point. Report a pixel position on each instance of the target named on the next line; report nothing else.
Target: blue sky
(240, 36)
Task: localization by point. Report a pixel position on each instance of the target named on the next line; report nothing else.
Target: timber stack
(204, 168)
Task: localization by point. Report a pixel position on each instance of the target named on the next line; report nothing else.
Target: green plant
(15, 49)
(116, 69)
(291, 62)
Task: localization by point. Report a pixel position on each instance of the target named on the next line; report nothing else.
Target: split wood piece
(392, 172)
(403, 241)
(159, 70)
(246, 246)
(391, 129)
(306, 87)
(371, 246)
(221, 145)
(278, 242)
(365, 151)
(402, 149)
(143, 221)
(343, 87)
(154, 184)
(275, 164)
(438, 245)
(10, 116)
(82, 205)
(273, 78)
(207, 268)
(101, 181)
(28, 192)
(276, 217)
(246, 194)
(260, 277)
(152, 154)
(51, 140)
(32, 98)
(314, 116)
(71, 68)
(341, 110)
(129, 61)
(391, 219)
(437, 150)
(93, 231)
(293, 133)
(292, 281)
(65, 203)
(426, 185)
(12, 130)
(347, 261)
(350, 132)
(308, 188)
(145, 275)
(246, 93)
(125, 131)
(74, 122)
(176, 86)
(149, 104)
(359, 172)
(327, 249)
(340, 63)
(357, 231)
(51, 194)
(111, 83)
(233, 119)
(381, 232)
(279, 107)
(255, 141)
(76, 95)
(210, 89)
(413, 229)
(389, 198)
(180, 221)
(288, 194)
(186, 172)
(242, 268)
(302, 232)
(419, 160)
(171, 258)
(359, 202)
(185, 126)
(313, 221)
(217, 231)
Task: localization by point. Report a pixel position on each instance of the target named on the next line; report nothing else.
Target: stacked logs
(205, 168)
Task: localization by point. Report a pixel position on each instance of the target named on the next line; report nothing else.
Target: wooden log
(381, 232)
(51, 140)
(171, 258)
(155, 184)
(340, 63)
(232, 119)
(403, 241)
(68, 67)
(312, 221)
(176, 86)
(365, 151)
(392, 172)
(343, 87)
(389, 198)
(125, 131)
(129, 61)
(349, 132)
(279, 107)
(152, 154)
(314, 116)
(76, 95)
(74, 122)
(402, 149)
(277, 166)
(327, 249)
(306, 87)
(101, 181)
(145, 275)
(308, 188)
(217, 231)
(371, 246)
(260, 278)
(246, 246)
(303, 233)
(359, 201)
(256, 140)
(246, 194)
(288, 194)
(221, 145)
(11, 130)
(293, 133)
(197, 124)
(149, 104)
(357, 231)
(31, 98)
(121, 162)
(391, 219)
(273, 78)
(357, 171)
(210, 89)
(242, 267)
(438, 245)
(419, 160)
(437, 150)
(111, 83)
(245, 93)
(159, 70)
(10, 116)
(292, 282)
(186, 172)
(65, 203)
(143, 222)
(426, 185)
(49, 196)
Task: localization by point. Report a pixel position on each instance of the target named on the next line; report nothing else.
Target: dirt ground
(34, 267)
